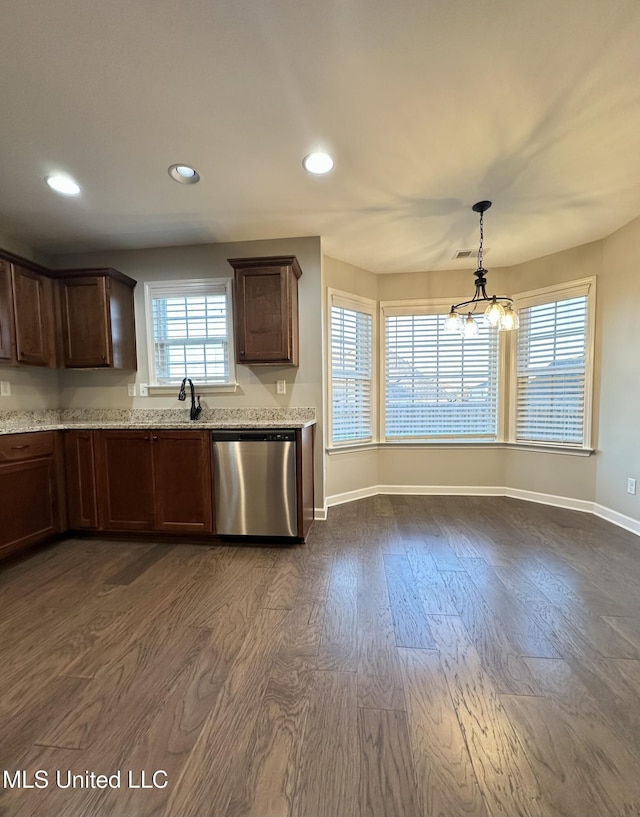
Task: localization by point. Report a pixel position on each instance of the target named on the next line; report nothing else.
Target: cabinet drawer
(26, 446)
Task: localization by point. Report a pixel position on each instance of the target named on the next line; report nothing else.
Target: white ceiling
(427, 106)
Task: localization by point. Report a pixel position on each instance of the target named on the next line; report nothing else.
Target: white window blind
(438, 384)
(351, 374)
(191, 331)
(551, 371)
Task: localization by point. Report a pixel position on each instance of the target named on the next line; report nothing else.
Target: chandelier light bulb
(493, 313)
(453, 322)
(470, 327)
(509, 320)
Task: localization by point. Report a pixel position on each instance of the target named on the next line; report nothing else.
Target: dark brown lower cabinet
(182, 481)
(124, 472)
(29, 491)
(118, 480)
(154, 480)
(80, 476)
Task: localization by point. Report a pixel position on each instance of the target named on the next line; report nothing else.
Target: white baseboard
(551, 499)
(586, 506)
(351, 496)
(441, 490)
(619, 519)
(320, 513)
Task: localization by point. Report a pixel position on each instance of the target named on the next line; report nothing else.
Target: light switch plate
(5, 388)
(281, 386)
(131, 389)
(144, 390)
(631, 486)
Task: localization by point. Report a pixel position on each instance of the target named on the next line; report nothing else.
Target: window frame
(440, 307)
(548, 295)
(357, 303)
(185, 288)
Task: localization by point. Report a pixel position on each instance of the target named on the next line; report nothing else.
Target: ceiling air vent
(462, 254)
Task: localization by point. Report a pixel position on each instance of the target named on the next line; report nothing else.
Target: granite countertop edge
(175, 425)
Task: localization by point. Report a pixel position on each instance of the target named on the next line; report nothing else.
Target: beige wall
(350, 472)
(619, 324)
(31, 388)
(560, 475)
(455, 285)
(559, 268)
(460, 467)
(13, 245)
(340, 275)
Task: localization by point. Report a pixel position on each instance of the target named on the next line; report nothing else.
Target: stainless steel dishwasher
(255, 483)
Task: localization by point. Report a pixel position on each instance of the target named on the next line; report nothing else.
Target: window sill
(201, 389)
(462, 444)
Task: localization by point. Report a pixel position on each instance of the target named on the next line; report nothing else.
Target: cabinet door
(261, 315)
(125, 480)
(7, 348)
(85, 316)
(266, 314)
(80, 474)
(182, 480)
(33, 316)
(28, 507)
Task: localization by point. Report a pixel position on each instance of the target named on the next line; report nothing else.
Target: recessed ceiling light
(184, 174)
(317, 163)
(63, 184)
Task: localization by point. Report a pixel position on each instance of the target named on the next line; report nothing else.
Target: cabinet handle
(19, 447)
(103, 357)
(154, 438)
(241, 354)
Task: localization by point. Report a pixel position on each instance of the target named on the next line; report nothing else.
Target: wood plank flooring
(418, 657)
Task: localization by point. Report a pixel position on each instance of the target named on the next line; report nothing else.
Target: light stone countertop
(18, 422)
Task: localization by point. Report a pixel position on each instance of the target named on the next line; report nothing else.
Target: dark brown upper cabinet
(33, 314)
(7, 330)
(97, 319)
(266, 310)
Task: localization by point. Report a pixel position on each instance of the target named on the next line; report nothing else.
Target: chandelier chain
(481, 241)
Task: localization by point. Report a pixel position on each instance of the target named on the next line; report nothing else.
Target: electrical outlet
(144, 390)
(281, 386)
(131, 389)
(5, 388)
(631, 485)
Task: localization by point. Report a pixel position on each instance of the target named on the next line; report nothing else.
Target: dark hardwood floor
(419, 657)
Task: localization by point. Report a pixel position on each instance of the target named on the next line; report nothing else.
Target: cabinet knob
(154, 438)
(241, 354)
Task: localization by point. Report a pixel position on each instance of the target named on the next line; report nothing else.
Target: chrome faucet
(182, 395)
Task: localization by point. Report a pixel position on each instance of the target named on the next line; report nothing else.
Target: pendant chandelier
(499, 313)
